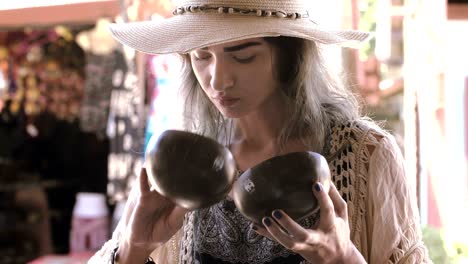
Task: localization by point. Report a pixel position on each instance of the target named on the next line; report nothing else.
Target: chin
(231, 113)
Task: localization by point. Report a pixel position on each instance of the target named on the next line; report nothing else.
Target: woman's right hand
(152, 221)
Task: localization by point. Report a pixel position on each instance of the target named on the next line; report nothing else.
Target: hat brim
(183, 33)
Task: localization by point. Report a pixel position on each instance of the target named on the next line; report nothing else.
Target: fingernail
(267, 221)
(318, 187)
(277, 214)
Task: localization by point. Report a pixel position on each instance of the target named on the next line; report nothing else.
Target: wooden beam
(42, 16)
(457, 11)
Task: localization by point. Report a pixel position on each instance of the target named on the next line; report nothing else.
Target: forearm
(354, 257)
(127, 253)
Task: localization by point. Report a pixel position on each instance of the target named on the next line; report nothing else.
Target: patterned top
(368, 170)
(221, 234)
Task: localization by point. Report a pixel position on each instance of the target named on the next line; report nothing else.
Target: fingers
(327, 210)
(341, 208)
(277, 234)
(176, 216)
(130, 204)
(283, 229)
(144, 182)
(288, 233)
(151, 198)
(292, 227)
(262, 231)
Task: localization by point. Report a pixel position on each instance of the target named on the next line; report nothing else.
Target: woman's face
(236, 76)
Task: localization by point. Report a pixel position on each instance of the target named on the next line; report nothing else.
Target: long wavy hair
(316, 97)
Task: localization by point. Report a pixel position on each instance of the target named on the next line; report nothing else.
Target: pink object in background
(77, 258)
(90, 223)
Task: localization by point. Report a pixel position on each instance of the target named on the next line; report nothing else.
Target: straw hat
(201, 23)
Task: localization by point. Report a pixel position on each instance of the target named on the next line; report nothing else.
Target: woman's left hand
(328, 243)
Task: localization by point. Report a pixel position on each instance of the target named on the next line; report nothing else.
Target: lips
(227, 101)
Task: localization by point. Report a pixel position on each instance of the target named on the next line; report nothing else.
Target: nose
(221, 75)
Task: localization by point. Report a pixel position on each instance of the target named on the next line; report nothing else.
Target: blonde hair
(316, 98)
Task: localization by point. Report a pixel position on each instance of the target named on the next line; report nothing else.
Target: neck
(261, 129)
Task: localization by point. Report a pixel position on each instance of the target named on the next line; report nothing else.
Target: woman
(254, 80)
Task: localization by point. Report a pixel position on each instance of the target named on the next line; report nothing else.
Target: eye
(244, 59)
(201, 56)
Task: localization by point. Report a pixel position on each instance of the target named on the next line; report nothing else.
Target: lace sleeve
(394, 227)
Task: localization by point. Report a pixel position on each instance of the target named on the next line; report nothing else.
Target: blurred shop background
(77, 109)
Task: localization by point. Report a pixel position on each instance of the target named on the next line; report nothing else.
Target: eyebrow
(240, 47)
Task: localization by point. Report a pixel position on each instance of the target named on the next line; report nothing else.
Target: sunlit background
(65, 84)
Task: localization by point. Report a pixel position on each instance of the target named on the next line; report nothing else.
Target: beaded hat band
(201, 23)
(238, 11)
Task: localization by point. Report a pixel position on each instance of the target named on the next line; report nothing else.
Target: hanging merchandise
(98, 40)
(104, 73)
(5, 102)
(3, 73)
(44, 73)
(64, 88)
(125, 129)
(112, 106)
(105, 68)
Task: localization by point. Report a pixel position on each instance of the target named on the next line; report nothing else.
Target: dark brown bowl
(192, 170)
(283, 182)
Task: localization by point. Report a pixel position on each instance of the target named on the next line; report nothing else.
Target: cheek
(202, 77)
(259, 79)
(264, 70)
